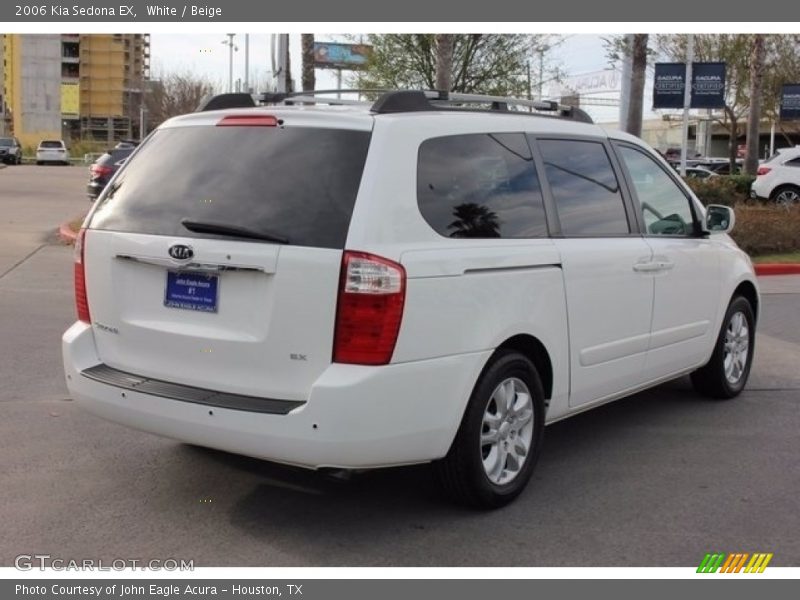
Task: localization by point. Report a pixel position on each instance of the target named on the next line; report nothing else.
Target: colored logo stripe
(758, 563)
(733, 563)
(711, 562)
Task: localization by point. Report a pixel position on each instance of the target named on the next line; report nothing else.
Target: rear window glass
(297, 183)
(480, 186)
(50, 144)
(109, 158)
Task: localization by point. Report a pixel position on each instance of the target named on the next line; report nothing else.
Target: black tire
(711, 380)
(789, 189)
(461, 473)
(40, 163)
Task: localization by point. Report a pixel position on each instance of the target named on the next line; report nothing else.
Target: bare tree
(757, 56)
(638, 68)
(175, 94)
(445, 43)
(309, 79)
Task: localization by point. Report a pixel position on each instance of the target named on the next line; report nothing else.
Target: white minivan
(429, 278)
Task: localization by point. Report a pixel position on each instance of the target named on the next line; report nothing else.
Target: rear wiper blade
(231, 230)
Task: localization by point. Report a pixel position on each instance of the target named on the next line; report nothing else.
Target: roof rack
(400, 101)
(415, 100)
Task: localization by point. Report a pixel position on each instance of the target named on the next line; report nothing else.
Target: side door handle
(647, 267)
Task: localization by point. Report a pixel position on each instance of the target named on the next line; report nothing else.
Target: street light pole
(247, 63)
(687, 100)
(231, 48)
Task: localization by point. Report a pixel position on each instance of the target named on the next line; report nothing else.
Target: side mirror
(719, 219)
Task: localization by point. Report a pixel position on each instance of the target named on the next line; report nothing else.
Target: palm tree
(474, 221)
(309, 80)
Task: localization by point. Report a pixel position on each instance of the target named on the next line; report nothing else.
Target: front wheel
(726, 373)
(500, 437)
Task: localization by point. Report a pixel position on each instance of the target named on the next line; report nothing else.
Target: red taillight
(248, 120)
(763, 170)
(100, 171)
(372, 292)
(81, 302)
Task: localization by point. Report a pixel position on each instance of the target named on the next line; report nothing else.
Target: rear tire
(726, 374)
(786, 196)
(500, 438)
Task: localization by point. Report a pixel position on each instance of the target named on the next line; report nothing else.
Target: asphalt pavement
(657, 479)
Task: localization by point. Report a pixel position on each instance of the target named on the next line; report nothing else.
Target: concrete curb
(777, 269)
(66, 235)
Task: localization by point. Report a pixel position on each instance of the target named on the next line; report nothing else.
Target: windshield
(298, 184)
(6, 142)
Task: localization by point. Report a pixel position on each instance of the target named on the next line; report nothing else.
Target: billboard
(790, 102)
(330, 55)
(70, 100)
(708, 85)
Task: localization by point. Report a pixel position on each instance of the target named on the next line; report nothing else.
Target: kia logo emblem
(181, 252)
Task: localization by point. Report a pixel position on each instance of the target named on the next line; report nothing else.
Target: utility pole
(231, 49)
(282, 71)
(625, 90)
(247, 63)
(542, 50)
(687, 101)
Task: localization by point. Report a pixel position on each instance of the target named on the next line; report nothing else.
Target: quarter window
(665, 208)
(584, 187)
(480, 186)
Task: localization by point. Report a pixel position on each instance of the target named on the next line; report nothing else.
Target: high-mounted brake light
(81, 301)
(248, 121)
(371, 296)
(763, 170)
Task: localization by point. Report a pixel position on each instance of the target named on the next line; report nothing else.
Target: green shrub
(766, 228)
(742, 183)
(716, 190)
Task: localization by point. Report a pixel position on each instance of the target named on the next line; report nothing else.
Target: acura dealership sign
(708, 85)
(790, 102)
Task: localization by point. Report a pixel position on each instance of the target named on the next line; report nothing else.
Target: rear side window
(584, 187)
(297, 183)
(480, 186)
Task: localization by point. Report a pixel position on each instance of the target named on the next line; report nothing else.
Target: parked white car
(52, 151)
(419, 280)
(779, 178)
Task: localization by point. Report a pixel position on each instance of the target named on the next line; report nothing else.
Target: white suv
(419, 280)
(779, 178)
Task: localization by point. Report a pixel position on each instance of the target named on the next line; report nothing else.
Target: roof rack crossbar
(312, 99)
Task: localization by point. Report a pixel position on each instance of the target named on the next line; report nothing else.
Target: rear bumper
(355, 417)
(94, 188)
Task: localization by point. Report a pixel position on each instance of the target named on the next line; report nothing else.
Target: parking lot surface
(657, 479)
